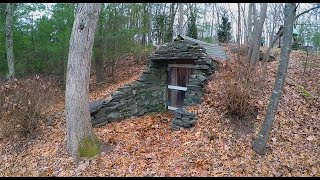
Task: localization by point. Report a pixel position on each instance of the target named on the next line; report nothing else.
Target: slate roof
(213, 50)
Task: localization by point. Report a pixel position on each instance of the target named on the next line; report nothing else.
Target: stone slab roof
(213, 50)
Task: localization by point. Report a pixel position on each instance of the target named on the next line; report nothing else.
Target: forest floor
(216, 146)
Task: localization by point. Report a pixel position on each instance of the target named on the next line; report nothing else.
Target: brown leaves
(216, 146)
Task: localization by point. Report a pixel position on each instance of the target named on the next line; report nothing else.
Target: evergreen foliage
(224, 34)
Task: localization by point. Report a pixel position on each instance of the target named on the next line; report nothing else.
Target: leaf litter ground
(216, 146)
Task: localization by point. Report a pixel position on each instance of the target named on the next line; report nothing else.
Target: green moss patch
(89, 147)
(305, 93)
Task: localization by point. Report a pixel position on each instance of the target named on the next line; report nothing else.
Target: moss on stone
(89, 147)
(305, 92)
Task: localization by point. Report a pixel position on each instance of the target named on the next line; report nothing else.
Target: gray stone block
(95, 105)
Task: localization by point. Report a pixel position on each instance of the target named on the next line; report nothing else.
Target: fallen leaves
(216, 146)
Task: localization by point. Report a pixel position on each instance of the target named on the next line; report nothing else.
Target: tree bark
(79, 127)
(266, 55)
(98, 57)
(250, 28)
(257, 33)
(239, 31)
(279, 34)
(180, 19)
(150, 24)
(259, 145)
(169, 32)
(9, 39)
(244, 35)
(212, 22)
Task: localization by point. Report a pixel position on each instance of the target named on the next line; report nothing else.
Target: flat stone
(201, 78)
(114, 116)
(185, 119)
(179, 111)
(95, 105)
(194, 87)
(205, 67)
(99, 121)
(180, 123)
(116, 93)
(175, 127)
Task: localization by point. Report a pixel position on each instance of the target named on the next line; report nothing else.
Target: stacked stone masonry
(149, 93)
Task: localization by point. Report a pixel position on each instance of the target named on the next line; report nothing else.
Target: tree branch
(304, 12)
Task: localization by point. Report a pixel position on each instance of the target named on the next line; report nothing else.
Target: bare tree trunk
(98, 57)
(169, 32)
(255, 16)
(254, 57)
(266, 55)
(239, 31)
(218, 21)
(144, 24)
(260, 143)
(150, 24)
(279, 34)
(180, 19)
(212, 22)
(81, 141)
(245, 27)
(9, 39)
(250, 28)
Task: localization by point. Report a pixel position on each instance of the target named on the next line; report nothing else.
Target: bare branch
(304, 12)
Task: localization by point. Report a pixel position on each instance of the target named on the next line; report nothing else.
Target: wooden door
(178, 77)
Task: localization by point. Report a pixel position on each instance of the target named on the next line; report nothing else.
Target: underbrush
(240, 84)
(23, 103)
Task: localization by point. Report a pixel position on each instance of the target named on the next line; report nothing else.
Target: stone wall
(204, 67)
(149, 93)
(146, 95)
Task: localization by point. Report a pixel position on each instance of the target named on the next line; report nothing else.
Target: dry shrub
(243, 49)
(239, 86)
(22, 106)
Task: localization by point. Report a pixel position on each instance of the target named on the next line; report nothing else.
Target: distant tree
(250, 22)
(316, 39)
(279, 34)
(224, 34)
(81, 140)
(239, 32)
(9, 38)
(259, 145)
(99, 47)
(170, 22)
(192, 30)
(255, 41)
(180, 19)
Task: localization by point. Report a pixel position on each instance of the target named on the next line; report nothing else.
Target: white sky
(233, 7)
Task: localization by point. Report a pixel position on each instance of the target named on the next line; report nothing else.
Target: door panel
(178, 77)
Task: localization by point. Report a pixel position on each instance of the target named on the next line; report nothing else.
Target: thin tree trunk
(250, 28)
(281, 31)
(239, 29)
(150, 25)
(98, 57)
(212, 22)
(257, 35)
(9, 39)
(245, 27)
(144, 25)
(180, 19)
(33, 54)
(266, 55)
(218, 21)
(259, 145)
(81, 141)
(169, 32)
